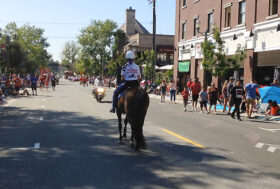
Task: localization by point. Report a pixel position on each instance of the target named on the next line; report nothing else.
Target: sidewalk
(256, 117)
(7, 102)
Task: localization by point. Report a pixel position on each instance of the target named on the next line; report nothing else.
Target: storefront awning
(184, 66)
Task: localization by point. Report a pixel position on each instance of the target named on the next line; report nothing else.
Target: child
(203, 100)
(185, 94)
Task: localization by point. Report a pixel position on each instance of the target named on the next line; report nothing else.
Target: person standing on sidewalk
(236, 95)
(185, 94)
(33, 81)
(213, 97)
(172, 91)
(196, 88)
(53, 80)
(163, 89)
(251, 92)
(225, 96)
(229, 87)
(203, 100)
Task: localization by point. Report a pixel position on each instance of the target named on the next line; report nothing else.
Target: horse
(134, 104)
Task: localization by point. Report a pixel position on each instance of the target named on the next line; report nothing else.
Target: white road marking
(44, 99)
(43, 106)
(36, 146)
(271, 130)
(271, 147)
(41, 118)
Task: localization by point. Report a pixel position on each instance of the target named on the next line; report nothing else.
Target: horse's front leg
(120, 127)
(125, 126)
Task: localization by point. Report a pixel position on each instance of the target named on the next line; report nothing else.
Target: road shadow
(83, 152)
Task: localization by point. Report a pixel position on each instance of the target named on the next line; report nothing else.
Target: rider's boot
(113, 110)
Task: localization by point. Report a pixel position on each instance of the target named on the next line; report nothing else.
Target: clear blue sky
(63, 19)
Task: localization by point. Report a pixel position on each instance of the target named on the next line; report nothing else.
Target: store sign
(184, 66)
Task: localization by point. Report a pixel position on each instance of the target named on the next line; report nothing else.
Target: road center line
(36, 146)
(183, 138)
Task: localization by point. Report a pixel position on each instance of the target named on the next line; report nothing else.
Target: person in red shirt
(189, 84)
(196, 88)
(42, 81)
(185, 94)
(47, 81)
(17, 83)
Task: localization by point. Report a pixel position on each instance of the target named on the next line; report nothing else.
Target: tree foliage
(26, 48)
(146, 60)
(215, 59)
(97, 39)
(70, 54)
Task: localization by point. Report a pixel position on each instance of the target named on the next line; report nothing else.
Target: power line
(56, 23)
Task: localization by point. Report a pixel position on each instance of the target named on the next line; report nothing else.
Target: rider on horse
(130, 74)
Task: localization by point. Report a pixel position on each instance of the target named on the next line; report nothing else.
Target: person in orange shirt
(274, 108)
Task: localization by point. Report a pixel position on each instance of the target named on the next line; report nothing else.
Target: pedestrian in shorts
(203, 100)
(185, 94)
(196, 88)
(229, 87)
(33, 81)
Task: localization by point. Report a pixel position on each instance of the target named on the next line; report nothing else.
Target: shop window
(242, 11)
(184, 30)
(265, 75)
(227, 17)
(273, 7)
(161, 57)
(171, 58)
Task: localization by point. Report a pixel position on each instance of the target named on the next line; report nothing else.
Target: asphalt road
(65, 139)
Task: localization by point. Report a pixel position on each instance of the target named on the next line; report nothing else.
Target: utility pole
(154, 37)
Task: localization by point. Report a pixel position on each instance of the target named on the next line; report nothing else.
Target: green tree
(34, 45)
(215, 59)
(98, 39)
(146, 60)
(69, 54)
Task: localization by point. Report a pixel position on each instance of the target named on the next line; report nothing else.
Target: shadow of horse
(134, 104)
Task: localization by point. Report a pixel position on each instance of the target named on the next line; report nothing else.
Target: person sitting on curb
(268, 107)
(274, 109)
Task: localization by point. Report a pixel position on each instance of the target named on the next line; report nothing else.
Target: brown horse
(134, 103)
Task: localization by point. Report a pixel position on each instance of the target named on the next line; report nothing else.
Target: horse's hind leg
(125, 126)
(120, 127)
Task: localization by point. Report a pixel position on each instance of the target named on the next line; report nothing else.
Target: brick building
(138, 39)
(254, 24)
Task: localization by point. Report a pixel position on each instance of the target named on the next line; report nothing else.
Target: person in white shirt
(130, 73)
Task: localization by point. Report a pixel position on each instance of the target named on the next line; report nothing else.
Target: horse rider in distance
(130, 74)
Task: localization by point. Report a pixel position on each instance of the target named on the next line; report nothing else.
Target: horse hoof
(137, 148)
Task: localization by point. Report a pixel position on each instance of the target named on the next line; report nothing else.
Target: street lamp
(99, 58)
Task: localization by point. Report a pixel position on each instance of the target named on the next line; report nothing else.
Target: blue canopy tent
(270, 93)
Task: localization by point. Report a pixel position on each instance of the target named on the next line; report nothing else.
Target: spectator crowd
(16, 85)
(233, 98)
